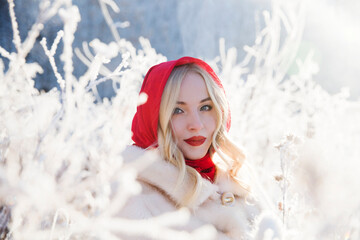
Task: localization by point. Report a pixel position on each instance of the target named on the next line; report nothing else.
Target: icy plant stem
(46, 12)
(288, 158)
(70, 17)
(50, 54)
(284, 180)
(108, 18)
(284, 189)
(55, 220)
(5, 53)
(15, 27)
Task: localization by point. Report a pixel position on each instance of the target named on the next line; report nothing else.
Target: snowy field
(61, 171)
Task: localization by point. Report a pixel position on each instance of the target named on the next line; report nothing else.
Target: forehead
(193, 87)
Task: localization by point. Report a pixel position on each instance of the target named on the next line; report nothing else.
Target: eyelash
(177, 111)
(208, 108)
(203, 108)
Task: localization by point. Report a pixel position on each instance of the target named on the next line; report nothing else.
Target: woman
(180, 140)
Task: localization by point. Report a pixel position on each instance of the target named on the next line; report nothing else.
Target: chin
(195, 155)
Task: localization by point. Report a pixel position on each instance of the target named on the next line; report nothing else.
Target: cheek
(210, 122)
(176, 127)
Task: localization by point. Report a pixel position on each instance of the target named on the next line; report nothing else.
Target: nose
(195, 122)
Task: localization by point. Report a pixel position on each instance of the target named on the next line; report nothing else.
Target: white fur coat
(160, 196)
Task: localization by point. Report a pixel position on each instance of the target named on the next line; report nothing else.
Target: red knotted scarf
(205, 166)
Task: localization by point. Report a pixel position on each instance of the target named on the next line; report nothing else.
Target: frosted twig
(108, 18)
(1, 76)
(47, 11)
(91, 75)
(117, 72)
(103, 79)
(285, 21)
(59, 35)
(45, 14)
(70, 17)
(15, 27)
(288, 158)
(291, 45)
(81, 56)
(20, 58)
(5, 53)
(87, 51)
(122, 24)
(88, 58)
(31, 38)
(50, 54)
(112, 4)
(124, 63)
(55, 220)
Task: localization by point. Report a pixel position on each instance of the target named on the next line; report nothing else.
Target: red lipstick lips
(195, 141)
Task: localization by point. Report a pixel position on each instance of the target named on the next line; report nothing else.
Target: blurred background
(178, 28)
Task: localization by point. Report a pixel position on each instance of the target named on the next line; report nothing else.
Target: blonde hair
(229, 153)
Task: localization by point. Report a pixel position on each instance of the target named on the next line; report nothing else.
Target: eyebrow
(204, 100)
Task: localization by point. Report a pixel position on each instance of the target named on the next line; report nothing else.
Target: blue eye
(206, 108)
(177, 111)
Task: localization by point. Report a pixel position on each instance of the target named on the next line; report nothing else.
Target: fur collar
(153, 170)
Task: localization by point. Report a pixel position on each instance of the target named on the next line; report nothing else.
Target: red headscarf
(145, 122)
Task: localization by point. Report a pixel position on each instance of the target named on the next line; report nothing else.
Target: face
(194, 120)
